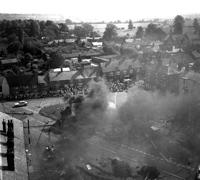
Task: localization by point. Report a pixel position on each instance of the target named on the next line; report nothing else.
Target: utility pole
(29, 139)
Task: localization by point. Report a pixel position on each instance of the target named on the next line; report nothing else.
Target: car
(20, 104)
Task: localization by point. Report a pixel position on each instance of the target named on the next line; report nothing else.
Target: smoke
(166, 124)
(90, 114)
(133, 122)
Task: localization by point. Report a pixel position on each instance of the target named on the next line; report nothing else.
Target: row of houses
(32, 82)
(169, 78)
(164, 77)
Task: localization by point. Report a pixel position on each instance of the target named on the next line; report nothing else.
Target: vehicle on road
(20, 104)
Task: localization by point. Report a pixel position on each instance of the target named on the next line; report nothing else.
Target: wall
(5, 88)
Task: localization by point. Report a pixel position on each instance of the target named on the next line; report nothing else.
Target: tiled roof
(9, 61)
(61, 76)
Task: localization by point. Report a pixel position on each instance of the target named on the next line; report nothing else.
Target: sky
(107, 10)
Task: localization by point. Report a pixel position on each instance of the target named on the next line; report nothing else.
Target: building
(24, 83)
(120, 69)
(190, 83)
(4, 87)
(59, 79)
(178, 41)
(20, 171)
(7, 63)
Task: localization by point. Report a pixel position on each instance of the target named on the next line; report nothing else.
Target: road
(38, 139)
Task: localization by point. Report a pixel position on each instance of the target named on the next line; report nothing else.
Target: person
(149, 172)
(4, 126)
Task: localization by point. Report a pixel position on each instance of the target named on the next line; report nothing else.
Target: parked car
(20, 104)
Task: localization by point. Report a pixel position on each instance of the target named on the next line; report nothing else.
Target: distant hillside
(53, 17)
(192, 16)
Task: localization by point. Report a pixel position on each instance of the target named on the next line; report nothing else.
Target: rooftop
(61, 76)
(20, 172)
(9, 61)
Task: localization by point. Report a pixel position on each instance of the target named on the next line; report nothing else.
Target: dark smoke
(177, 117)
(72, 145)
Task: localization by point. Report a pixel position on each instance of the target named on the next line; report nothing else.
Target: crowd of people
(61, 92)
(71, 90)
(118, 86)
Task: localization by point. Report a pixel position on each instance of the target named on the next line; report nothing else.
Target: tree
(56, 60)
(14, 47)
(12, 37)
(151, 29)
(154, 32)
(63, 27)
(140, 32)
(178, 24)
(79, 31)
(84, 30)
(88, 28)
(35, 28)
(42, 27)
(51, 30)
(26, 59)
(32, 46)
(130, 24)
(21, 35)
(196, 26)
(68, 21)
(110, 32)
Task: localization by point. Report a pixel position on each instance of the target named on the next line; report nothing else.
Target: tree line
(153, 31)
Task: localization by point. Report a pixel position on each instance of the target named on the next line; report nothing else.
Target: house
(119, 69)
(97, 44)
(176, 41)
(193, 38)
(110, 68)
(190, 82)
(22, 83)
(42, 82)
(156, 77)
(86, 74)
(6, 63)
(4, 87)
(99, 60)
(59, 79)
(173, 83)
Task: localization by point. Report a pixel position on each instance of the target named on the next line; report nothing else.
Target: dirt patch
(52, 111)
